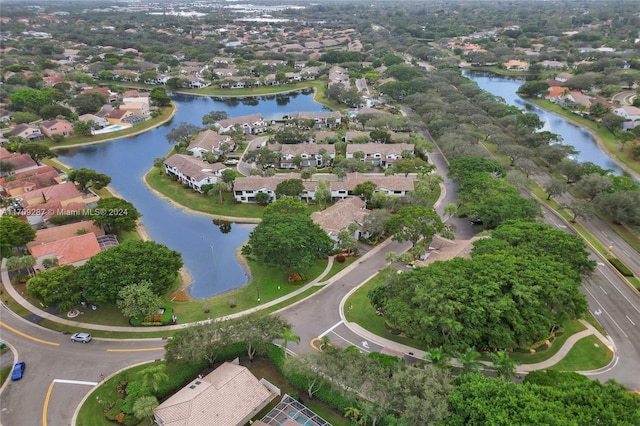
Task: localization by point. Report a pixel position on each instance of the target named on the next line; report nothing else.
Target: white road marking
(349, 342)
(621, 293)
(366, 345)
(603, 290)
(605, 311)
(630, 320)
(75, 382)
(330, 330)
(591, 373)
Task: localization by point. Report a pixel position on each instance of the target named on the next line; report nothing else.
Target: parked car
(18, 371)
(81, 337)
(476, 221)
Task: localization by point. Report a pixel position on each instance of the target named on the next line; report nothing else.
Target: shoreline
(598, 140)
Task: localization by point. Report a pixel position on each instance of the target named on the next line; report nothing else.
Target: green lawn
(570, 328)
(4, 373)
(589, 353)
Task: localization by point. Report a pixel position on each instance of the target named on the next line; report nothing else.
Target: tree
(323, 193)
(130, 262)
(285, 206)
(57, 286)
(115, 214)
(413, 223)
(153, 376)
(30, 100)
(579, 208)
(213, 117)
(138, 300)
(555, 187)
(143, 407)
(469, 360)
(88, 178)
(88, 103)
(504, 365)
(289, 241)
(262, 198)
(287, 335)
(83, 128)
(366, 189)
(36, 151)
(612, 121)
(255, 331)
(438, 357)
(217, 188)
(183, 132)
(303, 366)
(593, 184)
(347, 242)
(621, 207)
(534, 89)
(159, 97)
(14, 233)
(289, 188)
(375, 223)
(228, 177)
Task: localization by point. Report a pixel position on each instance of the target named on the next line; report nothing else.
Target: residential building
(321, 119)
(379, 154)
(228, 396)
(210, 141)
(28, 131)
(309, 154)
(250, 124)
(192, 171)
(339, 216)
(56, 127)
(74, 250)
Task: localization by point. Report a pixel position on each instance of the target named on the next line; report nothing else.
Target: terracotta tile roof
(69, 250)
(56, 233)
(228, 396)
(20, 161)
(62, 192)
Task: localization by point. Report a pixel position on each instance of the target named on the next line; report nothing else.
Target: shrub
(340, 258)
(621, 267)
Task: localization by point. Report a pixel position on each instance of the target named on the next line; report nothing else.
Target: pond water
(579, 138)
(208, 250)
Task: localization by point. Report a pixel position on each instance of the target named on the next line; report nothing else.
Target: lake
(208, 253)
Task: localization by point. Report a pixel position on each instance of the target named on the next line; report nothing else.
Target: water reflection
(585, 145)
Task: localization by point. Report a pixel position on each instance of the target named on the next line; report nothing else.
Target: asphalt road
(59, 372)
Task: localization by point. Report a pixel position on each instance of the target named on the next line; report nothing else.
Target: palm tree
(144, 406)
(469, 361)
(153, 376)
(287, 336)
(438, 358)
(504, 365)
(354, 414)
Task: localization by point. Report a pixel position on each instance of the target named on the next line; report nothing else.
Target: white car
(81, 337)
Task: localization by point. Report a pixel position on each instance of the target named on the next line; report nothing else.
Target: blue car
(18, 371)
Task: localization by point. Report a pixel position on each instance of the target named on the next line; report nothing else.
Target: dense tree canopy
(545, 398)
(131, 262)
(115, 214)
(289, 241)
(414, 223)
(57, 286)
(511, 293)
(14, 233)
(88, 178)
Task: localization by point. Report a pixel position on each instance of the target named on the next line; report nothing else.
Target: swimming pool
(109, 129)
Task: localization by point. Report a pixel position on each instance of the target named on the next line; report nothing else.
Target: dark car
(476, 221)
(18, 371)
(81, 337)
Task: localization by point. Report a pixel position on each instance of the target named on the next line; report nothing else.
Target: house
(553, 65)
(631, 114)
(111, 96)
(65, 194)
(250, 124)
(246, 188)
(578, 98)
(28, 131)
(98, 122)
(228, 396)
(340, 215)
(15, 163)
(55, 233)
(564, 76)
(210, 141)
(140, 109)
(516, 65)
(556, 93)
(309, 153)
(119, 116)
(193, 171)
(321, 119)
(395, 185)
(74, 250)
(379, 154)
(30, 180)
(56, 127)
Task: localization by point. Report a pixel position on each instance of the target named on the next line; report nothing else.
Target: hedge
(621, 267)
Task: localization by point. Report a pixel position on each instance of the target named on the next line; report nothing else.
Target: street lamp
(258, 289)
